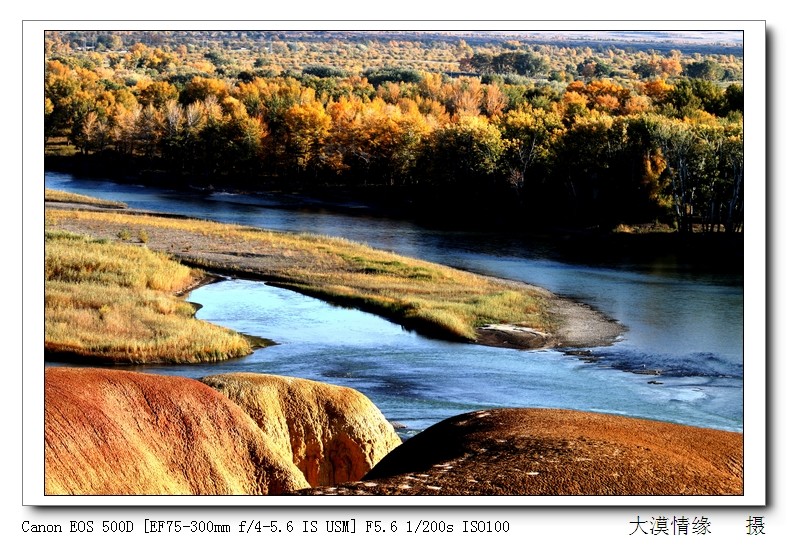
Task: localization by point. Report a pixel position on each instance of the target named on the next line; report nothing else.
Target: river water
(688, 324)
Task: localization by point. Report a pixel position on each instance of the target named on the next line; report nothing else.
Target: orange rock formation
(556, 452)
(334, 434)
(110, 432)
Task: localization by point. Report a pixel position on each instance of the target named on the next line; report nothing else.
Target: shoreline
(575, 453)
(581, 327)
(715, 252)
(577, 325)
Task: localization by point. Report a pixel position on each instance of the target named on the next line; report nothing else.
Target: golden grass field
(116, 302)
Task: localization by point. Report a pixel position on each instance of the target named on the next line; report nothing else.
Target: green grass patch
(59, 147)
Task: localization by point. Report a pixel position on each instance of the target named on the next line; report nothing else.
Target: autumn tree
(592, 149)
(465, 154)
(464, 97)
(72, 93)
(141, 56)
(124, 128)
(658, 67)
(149, 131)
(200, 88)
(657, 90)
(530, 137)
(376, 142)
(494, 101)
(306, 128)
(156, 93)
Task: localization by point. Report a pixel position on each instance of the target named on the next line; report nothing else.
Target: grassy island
(114, 302)
(429, 298)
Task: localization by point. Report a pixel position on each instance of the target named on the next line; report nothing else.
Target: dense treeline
(585, 145)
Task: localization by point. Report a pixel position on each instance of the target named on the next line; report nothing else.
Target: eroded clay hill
(333, 434)
(556, 452)
(110, 432)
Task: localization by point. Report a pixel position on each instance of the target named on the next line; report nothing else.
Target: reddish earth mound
(332, 433)
(556, 452)
(110, 432)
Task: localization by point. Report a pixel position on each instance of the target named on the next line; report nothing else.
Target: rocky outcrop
(556, 452)
(333, 434)
(110, 432)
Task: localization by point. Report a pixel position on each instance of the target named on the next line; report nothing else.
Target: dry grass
(114, 302)
(78, 259)
(429, 298)
(59, 196)
(655, 227)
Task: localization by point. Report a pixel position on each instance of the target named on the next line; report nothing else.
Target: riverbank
(433, 300)
(570, 456)
(712, 252)
(578, 325)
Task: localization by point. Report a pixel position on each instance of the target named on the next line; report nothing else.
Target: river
(686, 323)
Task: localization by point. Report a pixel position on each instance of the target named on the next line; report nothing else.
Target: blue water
(687, 326)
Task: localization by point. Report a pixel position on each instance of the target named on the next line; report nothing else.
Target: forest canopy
(505, 127)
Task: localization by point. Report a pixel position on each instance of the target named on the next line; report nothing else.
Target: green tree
(706, 69)
(734, 98)
(732, 157)
(587, 162)
(683, 153)
(112, 42)
(691, 95)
